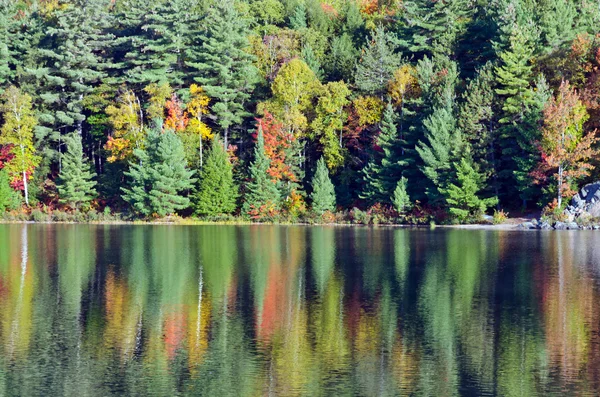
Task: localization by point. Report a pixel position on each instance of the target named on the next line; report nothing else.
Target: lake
(98, 310)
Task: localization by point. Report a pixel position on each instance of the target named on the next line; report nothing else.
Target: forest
(291, 110)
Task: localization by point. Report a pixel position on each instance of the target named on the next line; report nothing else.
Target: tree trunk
(560, 182)
(226, 138)
(25, 190)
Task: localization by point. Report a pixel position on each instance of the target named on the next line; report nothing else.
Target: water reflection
(259, 310)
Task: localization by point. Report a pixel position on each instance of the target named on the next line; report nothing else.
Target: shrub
(40, 216)
(499, 217)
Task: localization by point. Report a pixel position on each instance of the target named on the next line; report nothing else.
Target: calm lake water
(315, 311)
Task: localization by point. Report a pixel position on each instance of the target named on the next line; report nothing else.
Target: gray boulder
(560, 226)
(586, 202)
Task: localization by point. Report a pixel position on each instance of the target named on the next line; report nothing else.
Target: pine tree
(384, 170)
(309, 57)
(514, 75)
(323, 194)
(159, 177)
(341, 60)
(433, 27)
(262, 195)
(378, 63)
(218, 193)
(478, 122)
(462, 194)
(401, 199)
(73, 64)
(557, 20)
(76, 186)
(9, 199)
(223, 68)
(444, 143)
(156, 36)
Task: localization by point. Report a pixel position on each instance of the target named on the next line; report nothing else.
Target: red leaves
(277, 142)
(176, 118)
(5, 155)
(564, 148)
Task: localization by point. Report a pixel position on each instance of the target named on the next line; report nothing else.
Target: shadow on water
(276, 310)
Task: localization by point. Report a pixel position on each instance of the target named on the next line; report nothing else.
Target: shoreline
(503, 226)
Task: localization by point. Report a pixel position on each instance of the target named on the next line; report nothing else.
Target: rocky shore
(583, 213)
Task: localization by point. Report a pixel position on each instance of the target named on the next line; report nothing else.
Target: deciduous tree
(17, 131)
(565, 148)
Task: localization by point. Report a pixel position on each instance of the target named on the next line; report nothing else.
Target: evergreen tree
(159, 177)
(218, 193)
(73, 58)
(444, 143)
(377, 64)
(323, 194)
(433, 27)
(514, 75)
(557, 20)
(156, 36)
(462, 194)
(9, 199)
(223, 68)
(478, 122)
(384, 170)
(75, 184)
(401, 199)
(309, 57)
(298, 18)
(261, 192)
(341, 60)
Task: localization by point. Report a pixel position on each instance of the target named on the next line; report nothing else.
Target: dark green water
(265, 310)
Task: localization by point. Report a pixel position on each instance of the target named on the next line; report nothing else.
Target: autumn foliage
(565, 149)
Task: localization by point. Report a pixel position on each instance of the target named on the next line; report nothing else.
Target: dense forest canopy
(272, 108)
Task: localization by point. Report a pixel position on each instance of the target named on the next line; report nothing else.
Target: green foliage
(262, 195)
(323, 194)
(462, 194)
(377, 64)
(159, 177)
(9, 198)
(75, 184)
(444, 144)
(218, 193)
(384, 171)
(223, 68)
(401, 199)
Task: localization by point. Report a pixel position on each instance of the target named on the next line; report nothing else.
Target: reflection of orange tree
(123, 317)
(568, 301)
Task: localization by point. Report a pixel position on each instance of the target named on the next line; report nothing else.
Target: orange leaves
(565, 150)
(404, 84)
(277, 141)
(176, 119)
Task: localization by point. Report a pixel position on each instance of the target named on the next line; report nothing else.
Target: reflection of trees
(568, 302)
(243, 311)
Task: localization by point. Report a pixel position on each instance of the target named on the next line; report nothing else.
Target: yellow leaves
(17, 130)
(404, 85)
(197, 127)
(159, 94)
(196, 108)
(128, 129)
(198, 104)
(119, 148)
(296, 85)
(369, 110)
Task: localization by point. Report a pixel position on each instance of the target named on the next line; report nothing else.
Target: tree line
(275, 109)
